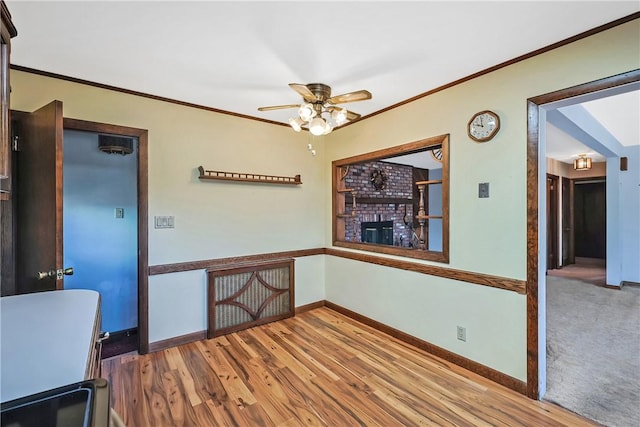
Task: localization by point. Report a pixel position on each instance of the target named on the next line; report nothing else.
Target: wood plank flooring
(319, 368)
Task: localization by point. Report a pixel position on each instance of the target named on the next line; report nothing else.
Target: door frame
(568, 235)
(552, 221)
(143, 213)
(533, 227)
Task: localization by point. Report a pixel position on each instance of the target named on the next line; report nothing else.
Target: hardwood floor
(319, 368)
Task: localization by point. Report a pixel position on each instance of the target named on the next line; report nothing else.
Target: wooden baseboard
(175, 341)
(309, 307)
(485, 371)
(617, 288)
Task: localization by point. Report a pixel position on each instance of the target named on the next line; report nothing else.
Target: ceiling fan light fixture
(327, 128)
(306, 112)
(318, 126)
(339, 115)
(319, 112)
(296, 123)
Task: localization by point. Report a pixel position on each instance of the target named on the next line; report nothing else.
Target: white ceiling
(620, 114)
(238, 55)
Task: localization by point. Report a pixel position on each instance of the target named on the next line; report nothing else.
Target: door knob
(44, 274)
(55, 273)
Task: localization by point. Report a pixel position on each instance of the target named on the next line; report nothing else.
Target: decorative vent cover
(242, 296)
(115, 144)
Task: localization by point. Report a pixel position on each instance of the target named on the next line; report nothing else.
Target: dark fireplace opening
(377, 232)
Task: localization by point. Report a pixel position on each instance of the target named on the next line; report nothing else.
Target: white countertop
(45, 340)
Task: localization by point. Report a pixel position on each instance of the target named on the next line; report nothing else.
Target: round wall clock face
(483, 126)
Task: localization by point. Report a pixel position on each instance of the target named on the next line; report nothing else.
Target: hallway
(590, 270)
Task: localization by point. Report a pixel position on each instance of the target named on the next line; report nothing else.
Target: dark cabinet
(7, 31)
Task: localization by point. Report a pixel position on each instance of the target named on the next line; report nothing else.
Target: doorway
(536, 218)
(35, 226)
(141, 135)
(100, 193)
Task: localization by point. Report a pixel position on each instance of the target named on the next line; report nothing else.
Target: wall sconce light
(582, 162)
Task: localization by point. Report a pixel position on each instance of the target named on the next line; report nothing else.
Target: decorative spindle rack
(248, 177)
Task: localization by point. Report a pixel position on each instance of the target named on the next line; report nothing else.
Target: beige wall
(213, 219)
(217, 219)
(487, 235)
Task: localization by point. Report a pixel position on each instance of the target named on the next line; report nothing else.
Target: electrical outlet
(462, 333)
(483, 190)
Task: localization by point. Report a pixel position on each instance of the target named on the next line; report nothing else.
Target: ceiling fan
(318, 101)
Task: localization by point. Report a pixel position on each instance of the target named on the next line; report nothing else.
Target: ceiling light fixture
(582, 162)
(339, 115)
(311, 115)
(296, 123)
(319, 111)
(306, 112)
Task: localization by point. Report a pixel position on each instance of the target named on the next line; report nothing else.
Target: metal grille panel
(242, 296)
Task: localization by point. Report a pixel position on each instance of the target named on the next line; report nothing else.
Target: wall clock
(483, 126)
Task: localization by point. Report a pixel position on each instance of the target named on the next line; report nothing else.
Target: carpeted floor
(593, 350)
(591, 270)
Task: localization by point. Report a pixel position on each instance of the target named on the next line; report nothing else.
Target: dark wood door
(38, 200)
(590, 219)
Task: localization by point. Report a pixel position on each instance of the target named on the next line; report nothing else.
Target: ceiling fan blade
(351, 116)
(360, 95)
(278, 107)
(304, 91)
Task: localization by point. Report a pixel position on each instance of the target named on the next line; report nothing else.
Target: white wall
(623, 218)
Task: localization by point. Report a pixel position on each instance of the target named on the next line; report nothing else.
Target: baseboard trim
(629, 283)
(176, 341)
(482, 370)
(614, 287)
(309, 307)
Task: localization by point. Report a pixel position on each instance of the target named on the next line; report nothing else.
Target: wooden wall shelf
(248, 177)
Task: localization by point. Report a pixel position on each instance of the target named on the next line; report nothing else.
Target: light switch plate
(119, 213)
(483, 190)
(164, 221)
